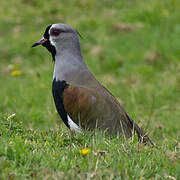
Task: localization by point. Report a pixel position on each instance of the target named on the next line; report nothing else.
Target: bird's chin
(47, 45)
(50, 48)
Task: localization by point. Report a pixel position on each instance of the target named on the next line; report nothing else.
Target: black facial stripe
(57, 90)
(46, 34)
(47, 44)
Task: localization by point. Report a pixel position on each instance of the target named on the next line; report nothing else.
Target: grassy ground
(132, 47)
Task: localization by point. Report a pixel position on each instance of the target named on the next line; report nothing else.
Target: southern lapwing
(81, 101)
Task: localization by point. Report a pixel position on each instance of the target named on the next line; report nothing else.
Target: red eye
(55, 32)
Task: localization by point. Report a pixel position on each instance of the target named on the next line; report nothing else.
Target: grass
(132, 47)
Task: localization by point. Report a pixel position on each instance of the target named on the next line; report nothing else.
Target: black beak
(41, 41)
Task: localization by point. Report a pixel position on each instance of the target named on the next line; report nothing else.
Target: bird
(82, 102)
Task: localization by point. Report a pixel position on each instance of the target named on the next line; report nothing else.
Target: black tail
(142, 136)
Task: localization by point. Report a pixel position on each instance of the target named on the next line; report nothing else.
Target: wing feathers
(83, 107)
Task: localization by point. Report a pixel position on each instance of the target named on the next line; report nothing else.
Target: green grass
(132, 47)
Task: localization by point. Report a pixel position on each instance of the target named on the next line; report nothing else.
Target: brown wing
(78, 104)
(91, 109)
(91, 105)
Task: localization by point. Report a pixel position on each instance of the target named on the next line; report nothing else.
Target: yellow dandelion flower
(15, 73)
(85, 151)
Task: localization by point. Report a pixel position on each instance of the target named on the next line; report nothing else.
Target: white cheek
(74, 126)
(51, 41)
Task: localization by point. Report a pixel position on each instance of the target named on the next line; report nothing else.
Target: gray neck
(68, 60)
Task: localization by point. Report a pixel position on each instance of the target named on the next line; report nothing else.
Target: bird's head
(59, 37)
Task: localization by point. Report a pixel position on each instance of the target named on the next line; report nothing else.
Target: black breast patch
(57, 90)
